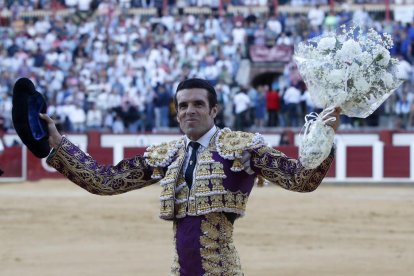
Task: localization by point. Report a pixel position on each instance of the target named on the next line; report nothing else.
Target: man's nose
(190, 109)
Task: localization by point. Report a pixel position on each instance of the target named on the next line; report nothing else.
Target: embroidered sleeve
(83, 170)
(286, 172)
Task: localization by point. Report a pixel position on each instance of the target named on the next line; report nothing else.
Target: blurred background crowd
(113, 65)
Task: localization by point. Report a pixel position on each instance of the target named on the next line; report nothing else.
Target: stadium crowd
(118, 72)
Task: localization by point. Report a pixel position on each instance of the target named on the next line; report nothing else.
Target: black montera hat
(32, 130)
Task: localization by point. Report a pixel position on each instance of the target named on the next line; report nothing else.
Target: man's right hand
(54, 136)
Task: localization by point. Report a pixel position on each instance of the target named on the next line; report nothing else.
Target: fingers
(332, 117)
(336, 114)
(246, 162)
(246, 159)
(46, 118)
(54, 136)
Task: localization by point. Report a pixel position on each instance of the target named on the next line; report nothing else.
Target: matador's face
(194, 113)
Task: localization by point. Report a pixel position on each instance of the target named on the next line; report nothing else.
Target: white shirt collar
(205, 139)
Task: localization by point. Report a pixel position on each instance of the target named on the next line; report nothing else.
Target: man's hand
(245, 160)
(54, 136)
(334, 114)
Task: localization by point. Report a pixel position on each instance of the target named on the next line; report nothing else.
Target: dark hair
(198, 83)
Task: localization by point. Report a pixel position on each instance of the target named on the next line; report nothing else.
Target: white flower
(353, 70)
(382, 56)
(388, 80)
(336, 76)
(366, 58)
(350, 50)
(327, 44)
(361, 84)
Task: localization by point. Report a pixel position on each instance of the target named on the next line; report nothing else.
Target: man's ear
(214, 111)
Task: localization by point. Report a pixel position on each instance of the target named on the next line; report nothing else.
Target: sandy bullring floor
(55, 228)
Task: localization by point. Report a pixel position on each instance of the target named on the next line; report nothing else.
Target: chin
(193, 133)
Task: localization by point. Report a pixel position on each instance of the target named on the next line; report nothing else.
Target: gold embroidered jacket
(221, 184)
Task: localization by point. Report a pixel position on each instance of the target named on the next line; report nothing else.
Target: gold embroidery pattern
(207, 194)
(81, 169)
(287, 172)
(202, 186)
(181, 198)
(171, 192)
(230, 201)
(175, 267)
(201, 205)
(161, 155)
(217, 184)
(231, 144)
(218, 254)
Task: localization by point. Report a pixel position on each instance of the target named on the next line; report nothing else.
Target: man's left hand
(334, 114)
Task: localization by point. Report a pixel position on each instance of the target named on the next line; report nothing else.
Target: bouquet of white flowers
(351, 69)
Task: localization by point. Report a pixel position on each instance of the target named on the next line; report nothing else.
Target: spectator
(272, 105)
(362, 17)
(241, 110)
(284, 40)
(316, 17)
(331, 22)
(94, 118)
(77, 117)
(130, 116)
(107, 56)
(292, 99)
(161, 103)
(260, 107)
(118, 125)
(402, 110)
(274, 25)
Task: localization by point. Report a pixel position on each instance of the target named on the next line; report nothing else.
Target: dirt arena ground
(55, 228)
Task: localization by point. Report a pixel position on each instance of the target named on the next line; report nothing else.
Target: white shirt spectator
(210, 72)
(239, 35)
(212, 26)
(404, 69)
(71, 3)
(94, 118)
(168, 21)
(361, 17)
(402, 107)
(241, 102)
(83, 5)
(78, 116)
(274, 25)
(52, 56)
(114, 100)
(118, 126)
(316, 16)
(284, 40)
(229, 49)
(292, 95)
(42, 26)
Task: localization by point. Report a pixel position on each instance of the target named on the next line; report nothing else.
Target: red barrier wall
(10, 162)
(359, 160)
